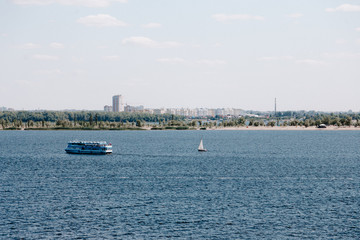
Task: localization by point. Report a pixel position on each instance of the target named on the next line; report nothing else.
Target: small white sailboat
(201, 147)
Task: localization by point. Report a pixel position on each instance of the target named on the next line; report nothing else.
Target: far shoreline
(288, 128)
(240, 128)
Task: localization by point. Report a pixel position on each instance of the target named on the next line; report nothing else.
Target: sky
(77, 54)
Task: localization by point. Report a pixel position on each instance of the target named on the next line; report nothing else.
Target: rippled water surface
(249, 185)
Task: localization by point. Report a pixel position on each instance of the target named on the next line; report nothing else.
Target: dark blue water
(249, 185)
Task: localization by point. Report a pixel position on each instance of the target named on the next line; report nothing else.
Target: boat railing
(89, 143)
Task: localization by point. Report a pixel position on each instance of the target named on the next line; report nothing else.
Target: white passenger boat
(87, 147)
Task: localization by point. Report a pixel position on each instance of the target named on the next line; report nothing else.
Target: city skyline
(170, 54)
(119, 105)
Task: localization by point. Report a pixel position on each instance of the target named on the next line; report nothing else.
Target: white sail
(201, 146)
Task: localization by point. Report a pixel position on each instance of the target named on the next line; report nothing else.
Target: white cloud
(295, 15)
(341, 55)
(147, 42)
(50, 72)
(344, 8)
(33, 2)
(276, 58)
(152, 25)
(57, 45)
(111, 58)
(230, 17)
(268, 58)
(45, 57)
(310, 62)
(357, 29)
(86, 3)
(29, 46)
(143, 41)
(292, 60)
(101, 20)
(211, 62)
(171, 60)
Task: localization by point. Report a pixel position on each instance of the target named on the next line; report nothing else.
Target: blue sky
(76, 54)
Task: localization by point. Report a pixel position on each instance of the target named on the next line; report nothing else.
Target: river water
(156, 185)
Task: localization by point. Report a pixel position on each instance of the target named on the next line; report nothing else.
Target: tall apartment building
(118, 105)
(107, 108)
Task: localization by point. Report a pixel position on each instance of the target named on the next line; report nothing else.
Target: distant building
(139, 108)
(118, 105)
(211, 112)
(228, 111)
(219, 112)
(3, 109)
(238, 112)
(159, 111)
(148, 110)
(170, 111)
(129, 108)
(107, 108)
(201, 112)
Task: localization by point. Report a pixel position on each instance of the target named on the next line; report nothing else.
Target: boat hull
(89, 152)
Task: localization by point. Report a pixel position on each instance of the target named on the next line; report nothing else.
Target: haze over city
(60, 54)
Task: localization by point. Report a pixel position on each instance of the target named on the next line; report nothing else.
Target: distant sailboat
(201, 147)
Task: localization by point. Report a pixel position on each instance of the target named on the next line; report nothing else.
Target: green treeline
(53, 116)
(80, 120)
(306, 119)
(92, 120)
